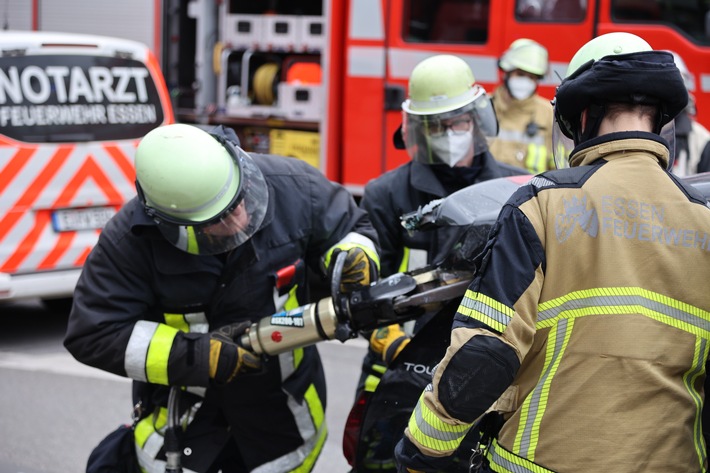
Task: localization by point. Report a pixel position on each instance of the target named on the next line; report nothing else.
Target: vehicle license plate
(69, 220)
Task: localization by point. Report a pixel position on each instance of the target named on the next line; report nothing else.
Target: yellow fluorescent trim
(158, 352)
(474, 314)
(494, 304)
(430, 431)
(689, 379)
(178, 321)
(315, 406)
(640, 301)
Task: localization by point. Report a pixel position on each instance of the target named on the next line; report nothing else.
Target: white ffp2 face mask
(521, 87)
(451, 147)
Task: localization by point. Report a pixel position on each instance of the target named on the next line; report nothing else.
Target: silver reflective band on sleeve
(485, 309)
(434, 433)
(197, 322)
(137, 349)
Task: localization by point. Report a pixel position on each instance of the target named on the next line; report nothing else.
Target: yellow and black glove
(388, 342)
(227, 359)
(358, 271)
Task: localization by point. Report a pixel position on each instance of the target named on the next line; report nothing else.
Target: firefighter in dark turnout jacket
(588, 323)
(215, 240)
(446, 122)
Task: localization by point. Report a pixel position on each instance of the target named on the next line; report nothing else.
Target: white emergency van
(72, 110)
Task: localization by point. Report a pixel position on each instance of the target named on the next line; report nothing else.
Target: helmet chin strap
(595, 115)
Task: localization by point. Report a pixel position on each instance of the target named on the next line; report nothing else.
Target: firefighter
(215, 240)
(445, 124)
(576, 328)
(524, 117)
(691, 138)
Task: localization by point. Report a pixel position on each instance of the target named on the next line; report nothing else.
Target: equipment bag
(390, 406)
(116, 453)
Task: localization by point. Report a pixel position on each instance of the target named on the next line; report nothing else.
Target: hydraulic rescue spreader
(395, 299)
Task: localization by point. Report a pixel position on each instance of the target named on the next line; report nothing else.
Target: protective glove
(358, 272)
(388, 342)
(227, 359)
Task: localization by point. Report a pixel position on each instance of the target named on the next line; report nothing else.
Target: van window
(691, 17)
(446, 21)
(76, 98)
(550, 10)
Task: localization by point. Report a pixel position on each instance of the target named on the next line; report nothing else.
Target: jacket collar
(423, 179)
(616, 145)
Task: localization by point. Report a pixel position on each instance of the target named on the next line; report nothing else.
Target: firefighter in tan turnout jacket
(588, 323)
(525, 120)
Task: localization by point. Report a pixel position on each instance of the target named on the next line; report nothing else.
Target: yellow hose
(263, 83)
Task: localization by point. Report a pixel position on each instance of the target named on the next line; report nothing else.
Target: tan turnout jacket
(597, 279)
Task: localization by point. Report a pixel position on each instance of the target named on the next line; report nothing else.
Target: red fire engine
(365, 50)
(323, 80)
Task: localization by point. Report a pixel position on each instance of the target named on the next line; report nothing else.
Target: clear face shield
(450, 137)
(233, 226)
(562, 146)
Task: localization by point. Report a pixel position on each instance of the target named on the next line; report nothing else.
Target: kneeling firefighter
(216, 240)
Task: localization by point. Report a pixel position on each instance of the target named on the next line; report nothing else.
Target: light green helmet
(206, 194)
(615, 68)
(440, 84)
(607, 45)
(526, 55)
(185, 173)
(447, 116)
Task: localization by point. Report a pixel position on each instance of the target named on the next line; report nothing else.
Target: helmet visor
(234, 225)
(562, 146)
(462, 132)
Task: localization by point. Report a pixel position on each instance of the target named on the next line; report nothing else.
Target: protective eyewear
(457, 126)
